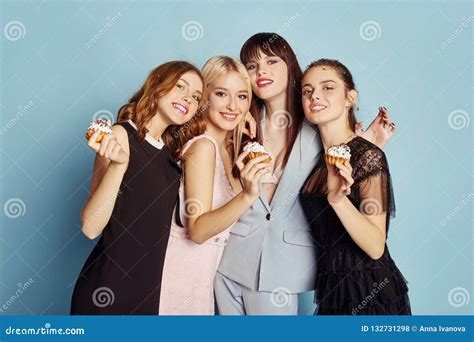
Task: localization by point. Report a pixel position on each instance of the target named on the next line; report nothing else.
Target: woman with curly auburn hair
(133, 192)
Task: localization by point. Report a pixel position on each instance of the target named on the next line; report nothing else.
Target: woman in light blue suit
(270, 256)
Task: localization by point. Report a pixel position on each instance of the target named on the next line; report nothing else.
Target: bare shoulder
(201, 148)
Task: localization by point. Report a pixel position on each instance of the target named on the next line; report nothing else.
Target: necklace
(353, 135)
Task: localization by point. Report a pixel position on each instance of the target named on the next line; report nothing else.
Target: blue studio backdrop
(66, 62)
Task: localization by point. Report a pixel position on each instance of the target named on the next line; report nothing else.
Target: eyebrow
(197, 91)
(309, 84)
(182, 79)
(266, 57)
(225, 89)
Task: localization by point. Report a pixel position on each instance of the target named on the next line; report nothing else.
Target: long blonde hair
(213, 69)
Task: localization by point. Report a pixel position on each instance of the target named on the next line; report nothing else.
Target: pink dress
(187, 286)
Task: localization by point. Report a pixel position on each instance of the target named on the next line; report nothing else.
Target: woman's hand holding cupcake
(251, 172)
(108, 148)
(339, 181)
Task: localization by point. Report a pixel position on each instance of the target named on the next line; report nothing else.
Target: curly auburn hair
(143, 105)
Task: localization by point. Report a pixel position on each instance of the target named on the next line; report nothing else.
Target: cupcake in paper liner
(256, 150)
(337, 154)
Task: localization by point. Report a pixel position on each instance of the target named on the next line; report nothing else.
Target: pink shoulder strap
(193, 140)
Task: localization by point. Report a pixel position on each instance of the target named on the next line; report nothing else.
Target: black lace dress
(348, 281)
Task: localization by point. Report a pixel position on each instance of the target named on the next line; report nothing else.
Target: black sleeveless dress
(348, 281)
(122, 275)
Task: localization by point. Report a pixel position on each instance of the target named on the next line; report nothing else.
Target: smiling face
(181, 103)
(268, 75)
(228, 101)
(325, 97)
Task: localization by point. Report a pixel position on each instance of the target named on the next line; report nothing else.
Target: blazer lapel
(291, 176)
(263, 198)
(290, 171)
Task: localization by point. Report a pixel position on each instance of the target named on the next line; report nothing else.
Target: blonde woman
(211, 197)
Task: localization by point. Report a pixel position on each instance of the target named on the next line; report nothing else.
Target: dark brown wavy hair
(317, 183)
(143, 105)
(272, 44)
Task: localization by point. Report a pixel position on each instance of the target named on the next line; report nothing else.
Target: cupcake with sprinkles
(337, 154)
(103, 126)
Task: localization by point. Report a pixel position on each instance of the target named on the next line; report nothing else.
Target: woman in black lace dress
(349, 205)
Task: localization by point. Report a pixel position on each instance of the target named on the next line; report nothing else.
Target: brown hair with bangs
(143, 105)
(272, 44)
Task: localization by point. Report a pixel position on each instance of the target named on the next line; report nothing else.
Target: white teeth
(179, 107)
(229, 116)
(317, 107)
(265, 82)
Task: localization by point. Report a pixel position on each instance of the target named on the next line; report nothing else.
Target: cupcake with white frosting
(256, 150)
(337, 154)
(103, 126)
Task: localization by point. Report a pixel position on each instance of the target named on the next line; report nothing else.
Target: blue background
(73, 60)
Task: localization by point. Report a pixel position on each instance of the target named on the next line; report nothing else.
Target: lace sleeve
(373, 184)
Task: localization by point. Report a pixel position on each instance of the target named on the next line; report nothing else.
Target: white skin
(274, 98)
(322, 85)
(112, 153)
(228, 104)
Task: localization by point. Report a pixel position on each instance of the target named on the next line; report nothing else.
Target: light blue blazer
(271, 245)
